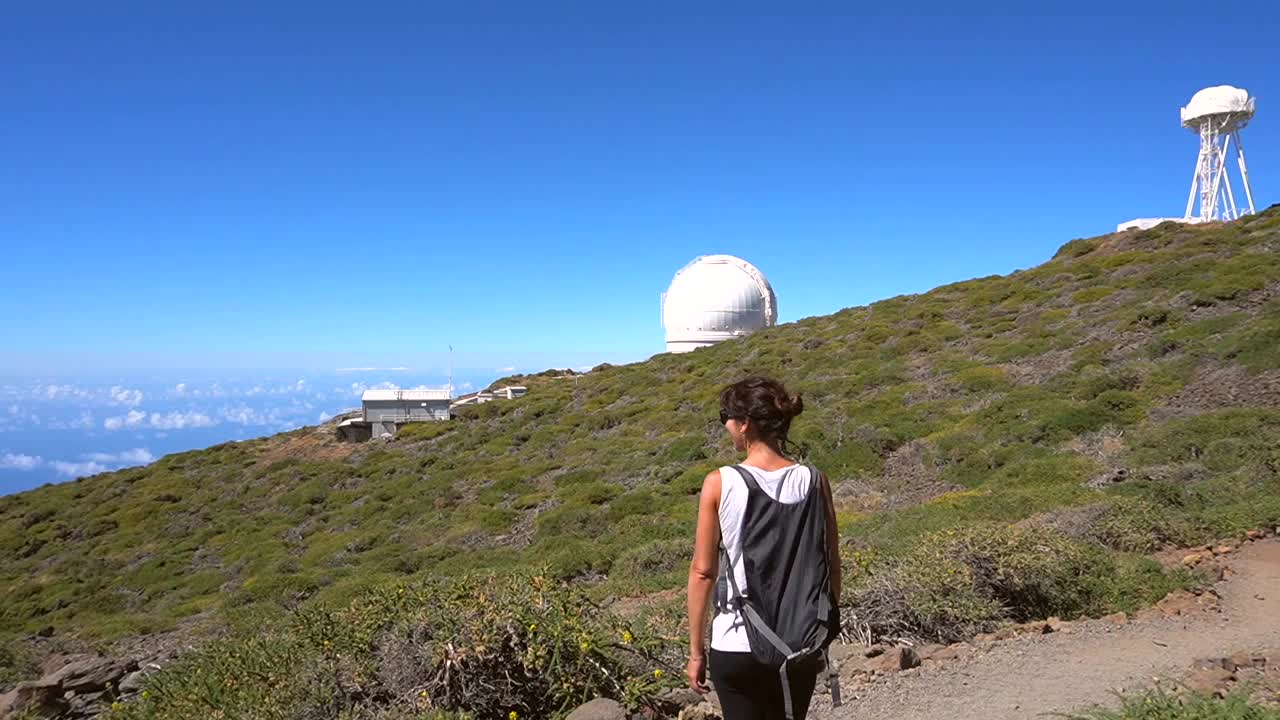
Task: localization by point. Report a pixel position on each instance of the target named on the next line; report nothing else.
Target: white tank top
(788, 485)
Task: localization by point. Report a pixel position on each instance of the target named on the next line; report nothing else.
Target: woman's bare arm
(833, 539)
(702, 574)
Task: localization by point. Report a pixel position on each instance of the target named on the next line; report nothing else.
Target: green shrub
(591, 493)
(983, 379)
(571, 521)
(1089, 295)
(956, 583)
(1135, 525)
(484, 646)
(638, 502)
(1163, 705)
(661, 557)
(1257, 346)
(1076, 248)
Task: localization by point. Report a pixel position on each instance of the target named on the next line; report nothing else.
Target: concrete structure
(715, 298)
(476, 398)
(1148, 223)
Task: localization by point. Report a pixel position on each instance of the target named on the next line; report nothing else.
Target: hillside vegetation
(1000, 449)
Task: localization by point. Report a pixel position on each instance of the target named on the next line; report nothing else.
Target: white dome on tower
(714, 298)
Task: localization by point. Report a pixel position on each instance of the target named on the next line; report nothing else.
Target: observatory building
(715, 298)
(1216, 115)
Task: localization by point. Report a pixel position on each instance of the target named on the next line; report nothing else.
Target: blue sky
(271, 186)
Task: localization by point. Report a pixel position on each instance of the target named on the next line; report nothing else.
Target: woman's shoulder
(711, 483)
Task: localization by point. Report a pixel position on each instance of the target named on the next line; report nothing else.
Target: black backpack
(789, 614)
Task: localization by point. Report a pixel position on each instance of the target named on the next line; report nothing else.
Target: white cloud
(125, 396)
(358, 388)
(133, 419)
(72, 470)
(136, 456)
(294, 388)
(173, 420)
(184, 390)
(273, 417)
(323, 416)
(14, 410)
(510, 368)
(180, 420)
(372, 369)
(64, 392)
(18, 461)
(244, 415)
(84, 422)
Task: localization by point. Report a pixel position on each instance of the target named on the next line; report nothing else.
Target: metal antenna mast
(1217, 115)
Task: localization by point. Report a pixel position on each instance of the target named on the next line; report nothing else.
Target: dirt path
(1037, 675)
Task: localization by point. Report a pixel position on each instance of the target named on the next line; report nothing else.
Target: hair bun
(794, 406)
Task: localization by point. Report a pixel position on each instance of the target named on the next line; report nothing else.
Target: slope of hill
(1125, 394)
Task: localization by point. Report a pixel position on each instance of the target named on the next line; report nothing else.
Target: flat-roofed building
(384, 409)
(476, 398)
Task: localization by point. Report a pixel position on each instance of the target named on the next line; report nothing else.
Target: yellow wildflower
(512, 715)
(657, 674)
(627, 637)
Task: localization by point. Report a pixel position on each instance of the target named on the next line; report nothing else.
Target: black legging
(749, 690)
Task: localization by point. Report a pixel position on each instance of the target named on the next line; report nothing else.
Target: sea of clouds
(57, 429)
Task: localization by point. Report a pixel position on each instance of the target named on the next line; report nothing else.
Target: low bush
(1136, 525)
(486, 647)
(956, 583)
(1161, 705)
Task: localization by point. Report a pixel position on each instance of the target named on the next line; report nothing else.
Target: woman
(757, 413)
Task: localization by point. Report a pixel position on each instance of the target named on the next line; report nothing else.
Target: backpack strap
(833, 679)
(763, 628)
(749, 478)
(735, 596)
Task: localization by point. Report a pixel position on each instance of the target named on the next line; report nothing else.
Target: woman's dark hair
(766, 404)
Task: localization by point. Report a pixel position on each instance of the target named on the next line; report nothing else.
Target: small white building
(384, 409)
(476, 398)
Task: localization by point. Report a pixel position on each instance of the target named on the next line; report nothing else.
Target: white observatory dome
(1218, 100)
(714, 298)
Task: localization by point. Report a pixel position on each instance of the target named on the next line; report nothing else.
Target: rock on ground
(599, 709)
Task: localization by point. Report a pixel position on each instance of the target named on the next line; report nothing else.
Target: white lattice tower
(1217, 115)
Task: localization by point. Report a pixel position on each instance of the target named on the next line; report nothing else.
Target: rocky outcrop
(84, 686)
